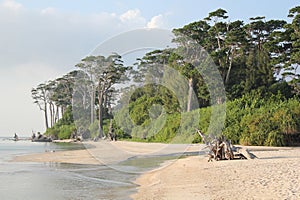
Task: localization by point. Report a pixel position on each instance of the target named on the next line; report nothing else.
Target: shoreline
(274, 175)
(106, 152)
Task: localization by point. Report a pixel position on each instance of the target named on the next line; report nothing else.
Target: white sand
(275, 175)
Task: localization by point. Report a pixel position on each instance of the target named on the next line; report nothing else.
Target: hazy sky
(41, 40)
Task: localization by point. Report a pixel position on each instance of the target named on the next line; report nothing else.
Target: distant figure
(16, 137)
(33, 136)
(39, 135)
(113, 135)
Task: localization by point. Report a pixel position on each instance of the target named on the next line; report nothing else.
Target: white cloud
(130, 15)
(133, 17)
(156, 22)
(12, 5)
(48, 11)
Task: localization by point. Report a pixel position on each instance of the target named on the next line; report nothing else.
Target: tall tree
(261, 51)
(104, 72)
(39, 95)
(63, 91)
(235, 42)
(192, 38)
(87, 79)
(217, 35)
(292, 65)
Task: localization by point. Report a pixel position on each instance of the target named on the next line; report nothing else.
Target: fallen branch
(222, 149)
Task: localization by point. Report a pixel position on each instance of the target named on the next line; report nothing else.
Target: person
(33, 136)
(16, 138)
(39, 135)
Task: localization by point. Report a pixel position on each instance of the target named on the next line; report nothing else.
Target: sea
(59, 181)
(63, 181)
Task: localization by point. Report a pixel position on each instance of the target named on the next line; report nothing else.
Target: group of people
(39, 136)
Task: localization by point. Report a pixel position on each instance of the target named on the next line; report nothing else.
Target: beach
(273, 175)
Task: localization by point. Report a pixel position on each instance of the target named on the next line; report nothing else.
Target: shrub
(65, 131)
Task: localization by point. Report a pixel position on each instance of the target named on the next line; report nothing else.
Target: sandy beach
(274, 175)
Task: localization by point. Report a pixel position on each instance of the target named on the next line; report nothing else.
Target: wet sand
(106, 152)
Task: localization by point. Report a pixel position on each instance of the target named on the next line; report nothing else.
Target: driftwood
(222, 149)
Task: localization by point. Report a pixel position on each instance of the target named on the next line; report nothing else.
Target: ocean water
(48, 181)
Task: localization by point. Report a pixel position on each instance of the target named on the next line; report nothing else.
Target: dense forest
(258, 63)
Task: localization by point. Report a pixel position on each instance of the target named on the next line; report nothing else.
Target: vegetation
(250, 120)
(258, 64)
(64, 128)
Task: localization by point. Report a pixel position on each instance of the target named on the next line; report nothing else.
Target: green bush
(275, 139)
(65, 131)
(253, 119)
(64, 128)
(52, 132)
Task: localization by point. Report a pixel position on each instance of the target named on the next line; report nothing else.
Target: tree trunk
(46, 116)
(219, 42)
(100, 114)
(56, 114)
(190, 95)
(222, 149)
(51, 115)
(111, 133)
(92, 104)
(51, 107)
(230, 66)
(62, 110)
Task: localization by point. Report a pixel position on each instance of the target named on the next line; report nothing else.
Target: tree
(235, 42)
(53, 96)
(63, 90)
(39, 95)
(219, 27)
(191, 39)
(263, 52)
(217, 35)
(293, 55)
(103, 73)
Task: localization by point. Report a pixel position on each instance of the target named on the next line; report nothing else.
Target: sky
(43, 40)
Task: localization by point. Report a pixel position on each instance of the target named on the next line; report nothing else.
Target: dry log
(222, 149)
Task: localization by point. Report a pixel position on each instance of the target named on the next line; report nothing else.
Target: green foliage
(53, 132)
(64, 128)
(67, 118)
(254, 120)
(65, 131)
(250, 120)
(61, 132)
